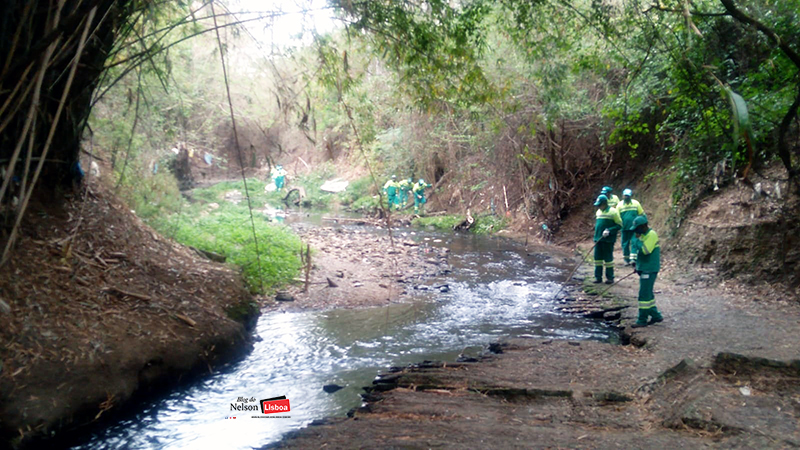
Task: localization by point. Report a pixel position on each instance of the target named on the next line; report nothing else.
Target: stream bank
(720, 371)
(100, 312)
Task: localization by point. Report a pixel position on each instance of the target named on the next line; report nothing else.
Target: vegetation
(515, 106)
(219, 221)
(484, 223)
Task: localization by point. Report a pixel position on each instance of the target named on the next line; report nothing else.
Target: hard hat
(421, 181)
(394, 177)
(605, 190)
(600, 200)
(627, 192)
(639, 220)
(279, 166)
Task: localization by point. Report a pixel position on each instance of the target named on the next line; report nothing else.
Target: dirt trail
(721, 371)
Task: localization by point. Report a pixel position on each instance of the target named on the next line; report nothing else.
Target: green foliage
(741, 123)
(484, 223)
(366, 204)
(227, 230)
(433, 45)
(446, 222)
(488, 223)
(361, 188)
(530, 91)
(148, 194)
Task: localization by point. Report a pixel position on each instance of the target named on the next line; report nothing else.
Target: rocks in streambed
(284, 297)
(331, 388)
(495, 348)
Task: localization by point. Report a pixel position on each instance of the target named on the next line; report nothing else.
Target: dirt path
(721, 371)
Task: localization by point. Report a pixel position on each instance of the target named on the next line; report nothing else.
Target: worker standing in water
(390, 189)
(648, 263)
(279, 177)
(607, 223)
(419, 195)
(629, 209)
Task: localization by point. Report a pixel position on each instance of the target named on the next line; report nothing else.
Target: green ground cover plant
(227, 229)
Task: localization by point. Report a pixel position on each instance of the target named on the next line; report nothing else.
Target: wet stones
(609, 397)
(495, 348)
(331, 388)
(732, 363)
(284, 297)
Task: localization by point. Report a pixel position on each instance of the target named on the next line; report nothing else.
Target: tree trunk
(26, 31)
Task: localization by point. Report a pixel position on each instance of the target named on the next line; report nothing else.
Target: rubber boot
(610, 273)
(642, 320)
(656, 316)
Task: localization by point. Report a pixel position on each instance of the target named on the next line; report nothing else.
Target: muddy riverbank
(99, 312)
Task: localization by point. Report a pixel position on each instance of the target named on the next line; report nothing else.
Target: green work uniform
(610, 220)
(648, 263)
(279, 177)
(628, 209)
(404, 187)
(613, 200)
(419, 196)
(390, 188)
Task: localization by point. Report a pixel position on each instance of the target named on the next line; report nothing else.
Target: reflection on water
(496, 290)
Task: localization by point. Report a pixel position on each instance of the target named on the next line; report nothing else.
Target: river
(496, 289)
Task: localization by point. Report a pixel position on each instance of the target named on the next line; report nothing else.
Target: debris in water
(745, 390)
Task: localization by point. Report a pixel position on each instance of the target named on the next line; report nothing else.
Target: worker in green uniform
(648, 263)
(628, 209)
(606, 225)
(419, 195)
(405, 187)
(390, 189)
(279, 177)
(613, 200)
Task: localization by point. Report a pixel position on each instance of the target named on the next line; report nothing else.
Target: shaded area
(99, 310)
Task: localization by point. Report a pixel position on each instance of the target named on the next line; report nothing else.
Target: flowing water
(496, 289)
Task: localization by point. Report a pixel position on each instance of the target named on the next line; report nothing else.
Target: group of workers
(397, 193)
(640, 247)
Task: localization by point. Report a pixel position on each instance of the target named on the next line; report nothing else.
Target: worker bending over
(419, 195)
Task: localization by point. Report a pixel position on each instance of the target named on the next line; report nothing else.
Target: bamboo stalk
(31, 112)
(23, 81)
(67, 86)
